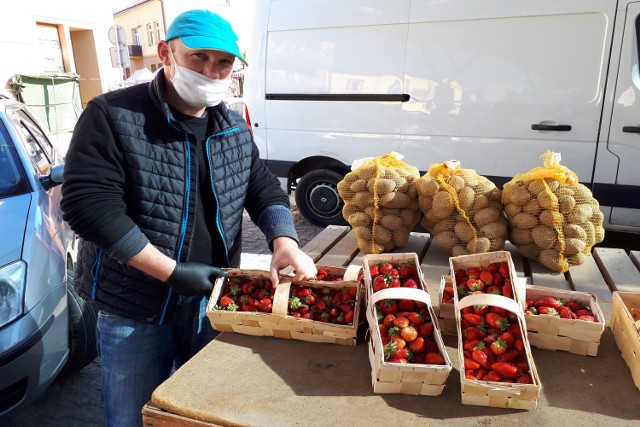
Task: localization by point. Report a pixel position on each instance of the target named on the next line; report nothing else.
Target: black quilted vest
(160, 164)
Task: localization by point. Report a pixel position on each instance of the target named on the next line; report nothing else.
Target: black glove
(192, 278)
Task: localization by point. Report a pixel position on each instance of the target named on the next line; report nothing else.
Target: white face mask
(195, 89)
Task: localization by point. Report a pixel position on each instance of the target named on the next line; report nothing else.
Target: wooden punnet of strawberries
(553, 306)
(492, 345)
(323, 303)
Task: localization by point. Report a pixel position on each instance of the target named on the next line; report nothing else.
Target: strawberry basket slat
(625, 325)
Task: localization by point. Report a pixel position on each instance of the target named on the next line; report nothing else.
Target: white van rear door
(624, 136)
(481, 74)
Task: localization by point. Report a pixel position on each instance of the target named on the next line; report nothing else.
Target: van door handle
(564, 128)
(631, 129)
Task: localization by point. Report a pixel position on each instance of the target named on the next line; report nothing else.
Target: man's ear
(163, 52)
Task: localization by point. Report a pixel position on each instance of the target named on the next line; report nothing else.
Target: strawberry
(524, 379)
(506, 369)
(549, 301)
(508, 356)
(473, 333)
(417, 345)
(566, 313)
(492, 268)
(432, 358)
(495, 320)
(410, 283)
(348, 316)
(475, 285)
(470, 364)
(587, 318)
(504, 268)
(426, 329)
(474, 272)
(492, 376)
(507, 338)
(486, 277)
(548, 310)
(480, 357)
(406, 305)
(473, 319)
(415, 318)
(225, 301)
(498, 347)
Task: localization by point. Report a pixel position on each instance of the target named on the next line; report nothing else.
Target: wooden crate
(278, 324)
(410, 378)
(483, 260)
(490, 393)
(446, 311)
(572, 335)
(625, 325)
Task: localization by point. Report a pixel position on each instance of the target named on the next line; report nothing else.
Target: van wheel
(82, 330)
(317, 197)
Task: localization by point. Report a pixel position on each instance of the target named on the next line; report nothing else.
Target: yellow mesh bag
(462, 210)
(380, 202)
(553, 219)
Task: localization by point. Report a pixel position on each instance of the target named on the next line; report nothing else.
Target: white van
(492, 83)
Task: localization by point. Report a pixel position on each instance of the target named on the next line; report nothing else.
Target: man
(156, 180)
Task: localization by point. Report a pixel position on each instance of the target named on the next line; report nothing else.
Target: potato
(547, 200)
(432, 217)
(598, 217)
(517, 195)
(573, 246)
(579, 214)
(443, 205)
(392, 222)
(497, 244)
(359, 219)
(403, 185)
(553, 260)
(369, 171)
(581, 192)
(345, 184)
(519, 236)
(362, 233)
(446, 240)
(457, 182)
(544, 237)
(482, 202)
(409, 217)
(599, 234)
(430, 187)
(369, 247)
(372, 212)
(524, 220)
(551, 218)
(536, 186)
(495, 230)
(358, 185)
(400, 237)
(380, 186)
(486, 216)
(552, 184)
(512, 209)
(381, 234)
(395, 200)
(530, 251)
(363, 199)
(590, 231)
(425, 203)
(465, 231)
(533, 207)
(577, 259)
(349, 209)
(466, 197)
(566, 203)
(478, 246)
(564, 191)
(458, 250)
(441, 226)
(574, 230)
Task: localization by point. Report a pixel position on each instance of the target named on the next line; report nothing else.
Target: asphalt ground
(74, 401)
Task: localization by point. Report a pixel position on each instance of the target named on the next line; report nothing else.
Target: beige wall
(86, 62)
(147, 13)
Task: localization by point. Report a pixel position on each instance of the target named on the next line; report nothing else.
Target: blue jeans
(137, 357)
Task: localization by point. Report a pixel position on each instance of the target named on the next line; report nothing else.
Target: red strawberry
(432, 358)
(508, 356)
(492, 376)
(473, 319)
(506, 369)
(498, 347)
(548, 301)
(406, 305)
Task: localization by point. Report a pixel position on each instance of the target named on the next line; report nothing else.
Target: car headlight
(12, 283)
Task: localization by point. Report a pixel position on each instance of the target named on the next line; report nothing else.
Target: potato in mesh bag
(380, 202)
(462, 210)
(553, 219)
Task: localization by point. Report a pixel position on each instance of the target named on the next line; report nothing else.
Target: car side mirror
(54, 178)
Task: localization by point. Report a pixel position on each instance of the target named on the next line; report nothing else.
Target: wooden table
(262, 381)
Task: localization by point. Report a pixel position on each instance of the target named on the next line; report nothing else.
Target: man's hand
(287, 253)
(192, 278)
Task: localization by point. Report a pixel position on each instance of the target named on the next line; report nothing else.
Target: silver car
(45, 328)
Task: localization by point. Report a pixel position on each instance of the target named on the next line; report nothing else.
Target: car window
(13, 180)
(36, 144)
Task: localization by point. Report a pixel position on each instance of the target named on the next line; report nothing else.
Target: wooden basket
(626, 329)
(483, 260)
(572, 335)
(278, 324)
(446, 312)
(411, 378)
(490, 393)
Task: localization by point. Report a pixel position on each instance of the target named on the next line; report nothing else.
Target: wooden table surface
(246, 380)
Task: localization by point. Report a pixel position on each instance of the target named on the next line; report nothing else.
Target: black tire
(317, 197)
(83, 318)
